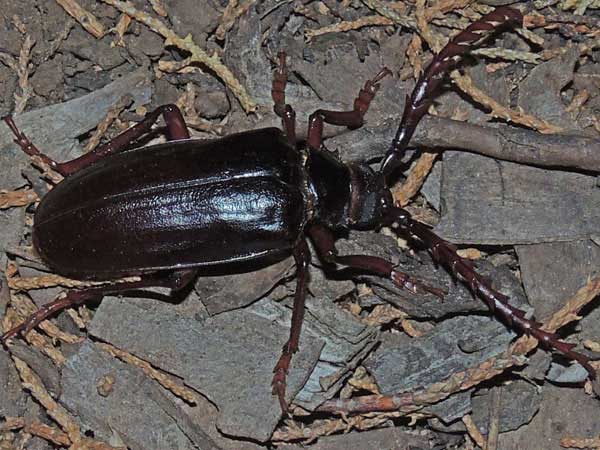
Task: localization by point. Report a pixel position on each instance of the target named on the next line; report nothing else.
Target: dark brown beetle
(165, 211)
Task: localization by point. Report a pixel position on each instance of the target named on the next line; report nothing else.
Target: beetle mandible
(174, 208)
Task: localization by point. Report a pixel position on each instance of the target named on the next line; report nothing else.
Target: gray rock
(135, 411)
(228, 358)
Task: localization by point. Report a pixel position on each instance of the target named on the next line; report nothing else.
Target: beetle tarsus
(281, 108)
(302, 258)
(350, 119)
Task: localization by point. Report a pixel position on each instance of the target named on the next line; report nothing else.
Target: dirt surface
(504, 166)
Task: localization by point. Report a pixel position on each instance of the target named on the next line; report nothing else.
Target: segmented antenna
(445, 253)
(424, 92)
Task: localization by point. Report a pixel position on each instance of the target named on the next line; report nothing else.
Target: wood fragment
(383, 314)
(22, 68)
(442, 7)
(413, 52)
(575, 442)
(85, 18)
(406, 191)
(158, 7)
(21, 197)
(232, 12)
(347, 25)
(47, 281)
(165, 380)
(192, 119)
(121, 28)
(494, 419)
(473, 431)
(578, 101)
(592, 345)
(187, 44)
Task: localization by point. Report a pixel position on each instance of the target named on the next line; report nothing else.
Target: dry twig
(167, 381)
(406, 191)
(367, 21)
(232, 12)
(114, 112)
(573, 442)
(47, 432)
(410, 402)
(87, 20)
(53, 280)
(473, 431)
(23, 75)
(187, 44)
(33, 384)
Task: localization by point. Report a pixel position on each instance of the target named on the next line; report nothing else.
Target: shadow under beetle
(165, 211)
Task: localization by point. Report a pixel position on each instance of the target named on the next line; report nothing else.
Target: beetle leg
(281, 108)
(325, 244)
(302, 257)
(351, 119)
(176, 130)
(175, 280)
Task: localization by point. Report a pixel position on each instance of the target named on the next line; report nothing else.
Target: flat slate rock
(554, 272)
(519, 402)
(135, 411)
(346, 340)
(228, 358)
(562, 412)
(12, 397)
(222, 293)
(497, 202)
(55, 128)
(456, 344)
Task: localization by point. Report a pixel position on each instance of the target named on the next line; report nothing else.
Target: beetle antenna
(423, 94)
(445, 253)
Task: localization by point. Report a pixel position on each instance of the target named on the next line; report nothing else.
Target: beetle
(164, 212)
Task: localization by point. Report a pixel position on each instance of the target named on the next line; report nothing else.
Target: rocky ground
(504, 166)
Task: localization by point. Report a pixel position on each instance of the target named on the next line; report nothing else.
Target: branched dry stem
(232, 12)
(23, 75)
(198, 55)
(473, 431)
(367, 21)
(574, 442)
(158, 7)
(411, 402)
(113, 113)
(406, 191)
(167, 381)
(53, 280)
(60, 415)
(85, 18)
(35, 428)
